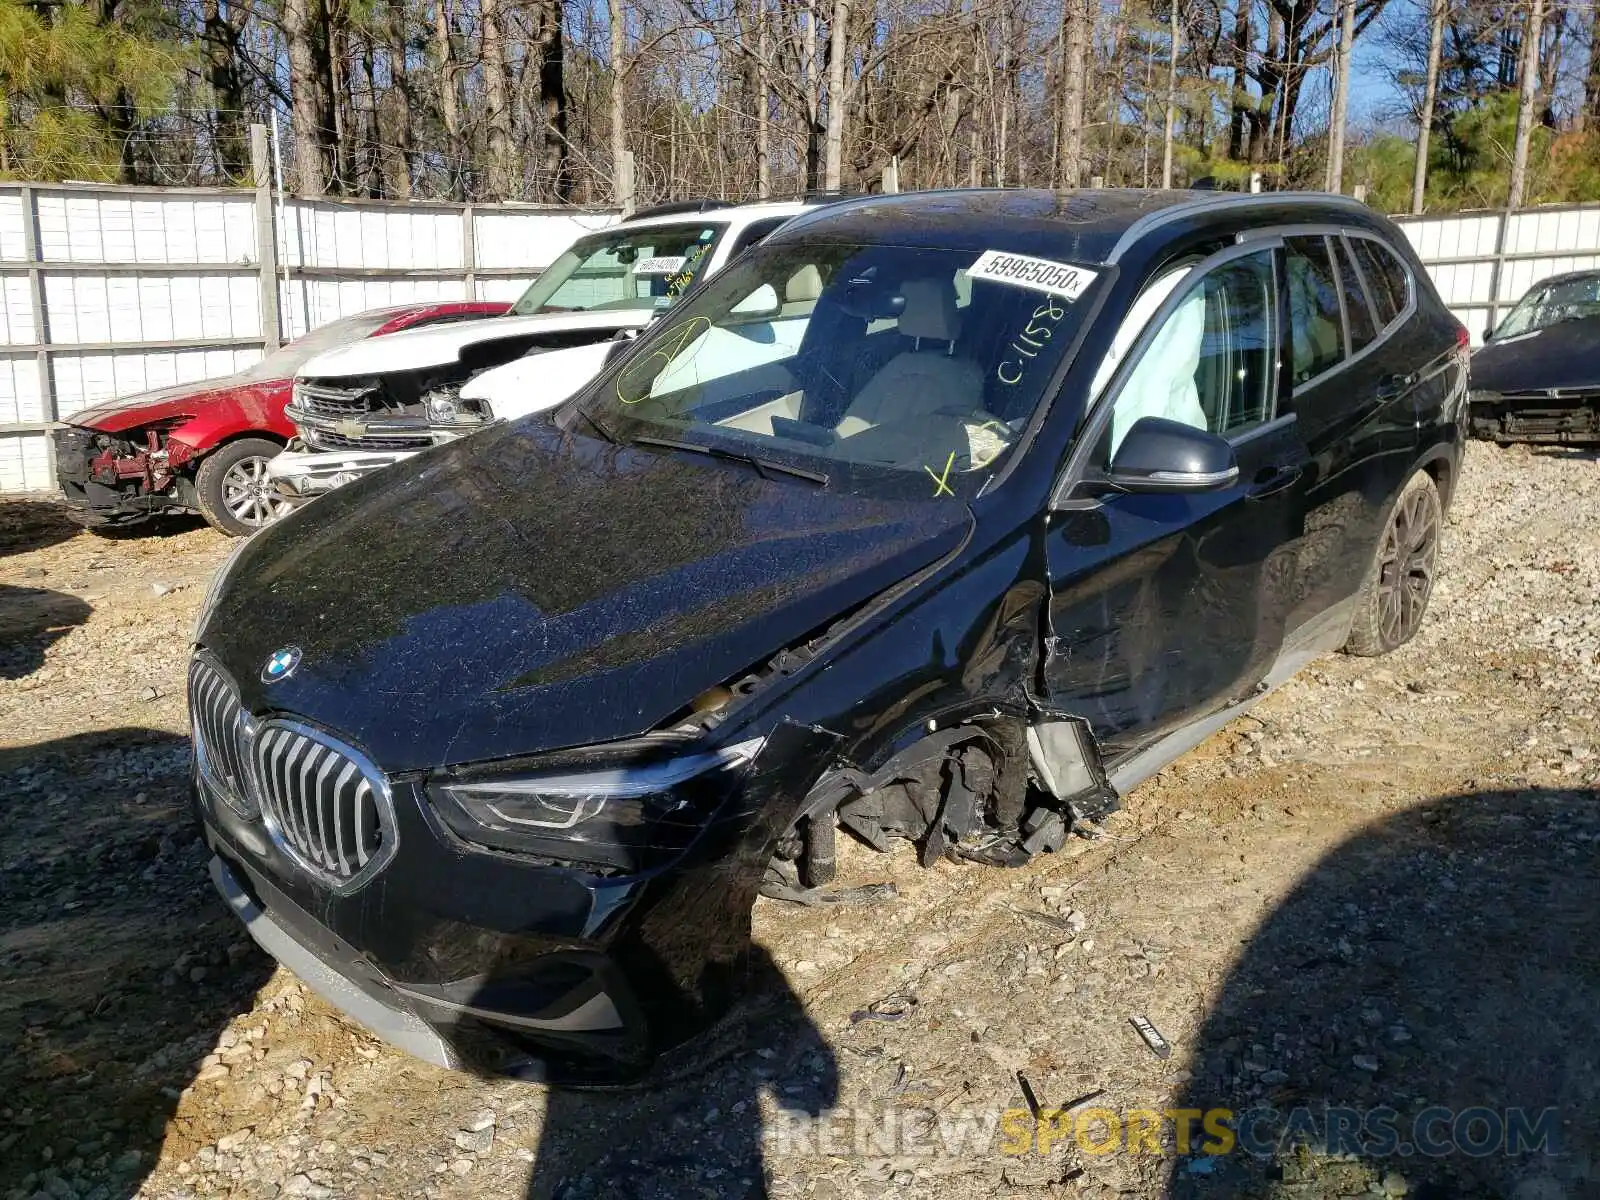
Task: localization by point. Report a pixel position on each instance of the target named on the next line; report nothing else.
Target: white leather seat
(926, 379)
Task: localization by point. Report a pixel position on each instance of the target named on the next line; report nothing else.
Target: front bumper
(1560, 417)
(123, 500)
(300, 475)
(375, 1005)
(465, 957)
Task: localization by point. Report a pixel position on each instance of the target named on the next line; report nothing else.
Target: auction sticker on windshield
(1040, 274)
(666, 264)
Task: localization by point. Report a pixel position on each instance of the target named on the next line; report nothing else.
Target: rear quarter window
(1386, 276)
(1359, 318)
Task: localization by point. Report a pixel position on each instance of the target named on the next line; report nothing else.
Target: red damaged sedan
(203, 446)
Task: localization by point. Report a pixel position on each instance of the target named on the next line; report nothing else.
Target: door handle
(1270, 480)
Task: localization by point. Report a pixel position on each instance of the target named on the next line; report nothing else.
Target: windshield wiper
(762, 465)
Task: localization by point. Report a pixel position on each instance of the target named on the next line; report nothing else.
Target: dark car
(506, 741)
(204, 446)
(1536, 378)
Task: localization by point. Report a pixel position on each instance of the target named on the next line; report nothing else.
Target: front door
(1165, 607)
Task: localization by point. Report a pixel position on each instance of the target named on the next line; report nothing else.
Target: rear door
(1354, 378)
(1166, 607)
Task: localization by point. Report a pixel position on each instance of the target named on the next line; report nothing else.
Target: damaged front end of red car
(122, 478)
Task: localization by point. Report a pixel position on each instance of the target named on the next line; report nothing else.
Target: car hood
(526, 589)
(1566, 355)
(183, 399)
(536, 381)
(440, 345)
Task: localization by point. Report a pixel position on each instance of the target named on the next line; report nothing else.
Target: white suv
(358, 409)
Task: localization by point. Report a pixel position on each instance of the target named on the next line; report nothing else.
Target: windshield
(622, 268)
(285, 361)
(890, 370)
(1568, 300)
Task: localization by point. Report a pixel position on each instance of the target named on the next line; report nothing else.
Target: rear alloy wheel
(233, 490)
(1394, 595)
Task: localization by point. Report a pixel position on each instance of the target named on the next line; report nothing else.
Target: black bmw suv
(945, 516)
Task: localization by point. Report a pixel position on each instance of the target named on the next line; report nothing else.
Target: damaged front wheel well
(994, 789)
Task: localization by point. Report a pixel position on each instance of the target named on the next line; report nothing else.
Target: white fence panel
(308, 303)
(1483, 262)
(97, 228)
(326, 234)
(13, 231)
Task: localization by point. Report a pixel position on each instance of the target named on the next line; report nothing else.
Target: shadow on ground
(30, 620)
(118, 966)
(1423, 1010)
(698, 1132)
(33, 524)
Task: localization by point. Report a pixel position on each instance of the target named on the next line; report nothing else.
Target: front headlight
(214, 589)
(621, 817)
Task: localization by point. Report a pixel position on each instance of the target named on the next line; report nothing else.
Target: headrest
(930, 310)
(805, 284)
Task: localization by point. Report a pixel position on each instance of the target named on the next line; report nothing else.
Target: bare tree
(1075, 20)
(1438, 9)
(1341, 95)
(1172, 97)
(621, 170)
(838, 52)
(1527, 103)
(305, 29)
(497, 98)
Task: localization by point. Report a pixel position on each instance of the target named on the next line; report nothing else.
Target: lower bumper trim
(400, 1029)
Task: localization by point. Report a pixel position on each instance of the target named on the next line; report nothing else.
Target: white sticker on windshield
(1040, 274)
(667, 264)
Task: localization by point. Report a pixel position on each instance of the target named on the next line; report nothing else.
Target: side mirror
(1158, 455)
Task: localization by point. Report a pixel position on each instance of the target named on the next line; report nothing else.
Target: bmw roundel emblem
(281, 665)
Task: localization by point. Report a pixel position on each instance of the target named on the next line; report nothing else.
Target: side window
(754, 232)
(1212, 362)
(1315, 330)
(1358, 317)
(1386, 278)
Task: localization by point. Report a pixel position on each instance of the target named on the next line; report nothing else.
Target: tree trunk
(811, 84)
(223, 30)
(444, 64)
(1002, 149)
(1527, 103)
(305, 25)
(1341, 96)
(838, 53)
(497, 100)
(621, 181)
(763, 98)
(1239, 102)
(394, 109)
(1172, 98)
(1074, 56)
(555, 175)
(1430, 95)
(1590, 113)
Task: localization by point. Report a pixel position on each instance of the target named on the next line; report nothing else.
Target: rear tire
(232, 491)
(1394, 595)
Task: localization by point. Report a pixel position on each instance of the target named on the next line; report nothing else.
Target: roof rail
(678, 206)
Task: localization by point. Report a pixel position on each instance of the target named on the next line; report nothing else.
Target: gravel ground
(1380, 889)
